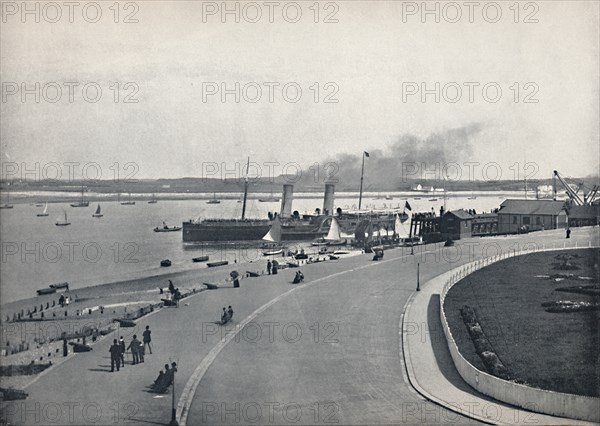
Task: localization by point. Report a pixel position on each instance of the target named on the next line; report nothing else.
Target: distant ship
(294, 227)
(214, 200)
(129, 202)
(270, 199)
(153, 200)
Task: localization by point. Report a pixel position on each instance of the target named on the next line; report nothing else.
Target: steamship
(294, 227)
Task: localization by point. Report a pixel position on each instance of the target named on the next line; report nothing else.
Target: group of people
(137, 348)
(226, 315)
(64, 300)
(165, 379)
(299, 277)
(272, 267)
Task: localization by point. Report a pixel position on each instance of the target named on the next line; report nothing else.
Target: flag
(407, 206)
(366, 153)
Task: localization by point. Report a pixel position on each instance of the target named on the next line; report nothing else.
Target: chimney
(286, 201)
(328, 200)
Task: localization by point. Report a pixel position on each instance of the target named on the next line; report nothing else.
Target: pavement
(329, 351)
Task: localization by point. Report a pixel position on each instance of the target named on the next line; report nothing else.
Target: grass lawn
(554, 351)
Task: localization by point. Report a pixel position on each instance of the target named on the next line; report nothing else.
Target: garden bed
(540, 339)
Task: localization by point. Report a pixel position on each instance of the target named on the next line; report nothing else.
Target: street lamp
(173, 410)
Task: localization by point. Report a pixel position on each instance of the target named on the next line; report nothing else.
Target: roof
(460, 213)
(540, 207)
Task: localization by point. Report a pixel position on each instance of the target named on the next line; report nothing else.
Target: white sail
(45, 209)
(274, 234)
(334, 233)
(400, 229)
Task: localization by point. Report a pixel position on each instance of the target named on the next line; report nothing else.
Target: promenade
(329, 351)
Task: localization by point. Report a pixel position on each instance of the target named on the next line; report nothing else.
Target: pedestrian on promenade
(147, 339)
(275, 265)
(224, 317)
(122, 345)
(269, 267)
(230, 312)
(134, 346)
(568, 232)
(141, 352)
(115, 355)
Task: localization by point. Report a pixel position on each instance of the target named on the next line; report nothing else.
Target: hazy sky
(371, 57)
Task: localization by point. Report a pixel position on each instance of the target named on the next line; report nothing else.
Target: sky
(361, 80)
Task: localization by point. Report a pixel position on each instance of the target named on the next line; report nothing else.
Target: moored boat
(166, 228)
(48, 290)
(220, 263)
(214, 200)
(200, 259)
(60, 285)
(273, 252)
(82, 202)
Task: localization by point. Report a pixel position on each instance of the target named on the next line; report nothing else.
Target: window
(526, 220)
(514, 219)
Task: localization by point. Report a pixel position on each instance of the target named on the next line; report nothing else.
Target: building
(456, 224)
(517, 216)
(485, 224)
(584, 215)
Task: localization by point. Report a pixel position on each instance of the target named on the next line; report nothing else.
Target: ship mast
(245, 190)
(362, 174)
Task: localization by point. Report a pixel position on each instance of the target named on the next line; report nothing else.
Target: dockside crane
(573, 194)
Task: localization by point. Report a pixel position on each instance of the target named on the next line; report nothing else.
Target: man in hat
(115, 356)
(134, 345)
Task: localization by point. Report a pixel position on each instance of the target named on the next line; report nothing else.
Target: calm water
(122, 245)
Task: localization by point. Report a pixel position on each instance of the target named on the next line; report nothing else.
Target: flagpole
(362, 172)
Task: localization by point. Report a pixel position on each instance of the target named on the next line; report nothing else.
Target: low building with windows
(456, 224)
(584, 215)
(517, 216)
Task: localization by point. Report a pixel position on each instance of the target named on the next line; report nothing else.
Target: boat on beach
(59, 286)
(129, 202)
(273, 252)
(44, 213)
(48, 290)
(200, 259)
(214, 264)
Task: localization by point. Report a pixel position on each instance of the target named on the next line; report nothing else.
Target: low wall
(543, 401)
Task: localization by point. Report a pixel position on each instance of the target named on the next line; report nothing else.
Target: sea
(122, 245)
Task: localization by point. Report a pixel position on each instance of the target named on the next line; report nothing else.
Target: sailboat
(81, 203)
(153, 200)
(214, 200)
(334, 236)
(97, 214)
(128, 203)
(7, 205)
(472, 197)
(388, 197)
(45, 212)
(274, 236)
(65, 222)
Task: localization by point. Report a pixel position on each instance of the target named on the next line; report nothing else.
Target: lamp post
(173, 421)
(418, 267)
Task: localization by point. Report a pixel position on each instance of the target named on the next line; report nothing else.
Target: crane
(573, 194)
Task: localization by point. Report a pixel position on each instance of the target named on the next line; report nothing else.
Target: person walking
(147, 339)
(230, 312)
(122, 356)
(115, 356)
(269, 267)
(134, 346)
